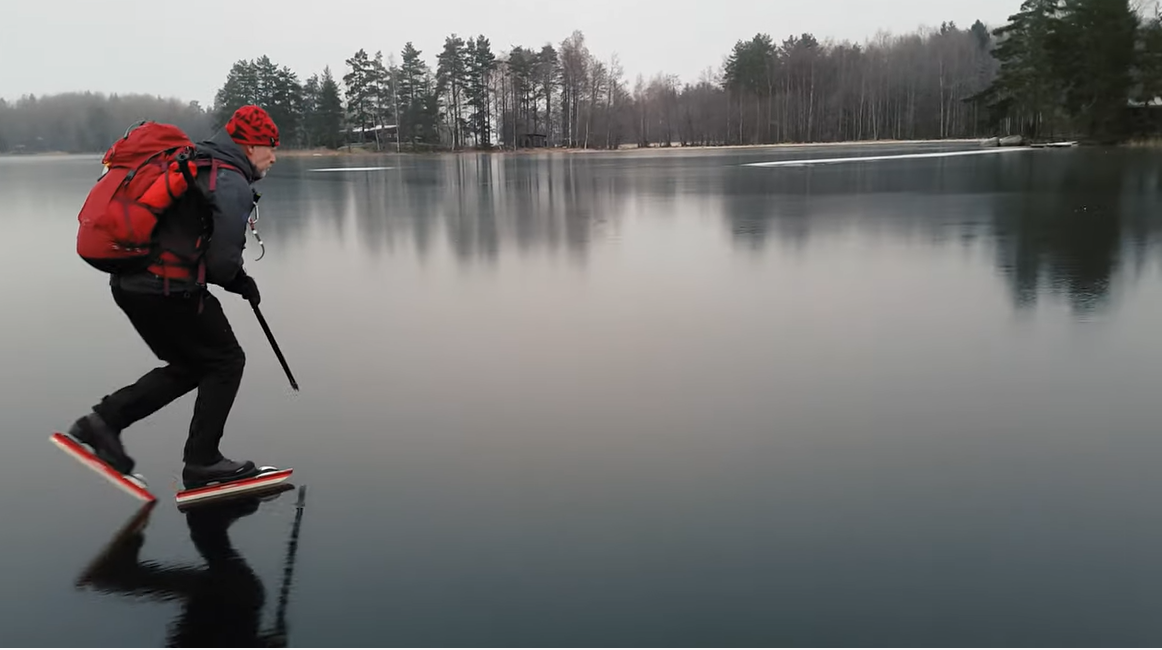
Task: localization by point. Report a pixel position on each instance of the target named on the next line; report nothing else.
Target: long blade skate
(266, 478)
(134, 484)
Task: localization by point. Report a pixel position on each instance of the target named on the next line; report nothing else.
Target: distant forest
(1082, 69)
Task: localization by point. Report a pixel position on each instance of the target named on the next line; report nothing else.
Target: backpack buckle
(183, 160)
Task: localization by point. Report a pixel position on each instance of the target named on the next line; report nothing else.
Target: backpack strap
(213, 163)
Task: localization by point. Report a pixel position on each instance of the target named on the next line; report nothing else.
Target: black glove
(245, 286)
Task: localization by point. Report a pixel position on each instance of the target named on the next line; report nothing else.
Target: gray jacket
(229, 208)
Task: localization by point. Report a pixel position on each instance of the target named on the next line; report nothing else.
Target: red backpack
(145, 172)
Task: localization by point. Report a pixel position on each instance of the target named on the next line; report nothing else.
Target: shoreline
(629, 151)
(320, 153)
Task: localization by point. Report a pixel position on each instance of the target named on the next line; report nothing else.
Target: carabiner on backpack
(253, 219)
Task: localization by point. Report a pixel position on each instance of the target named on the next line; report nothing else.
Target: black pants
(201, 352)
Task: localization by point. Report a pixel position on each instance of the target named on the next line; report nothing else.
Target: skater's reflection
(222, 600)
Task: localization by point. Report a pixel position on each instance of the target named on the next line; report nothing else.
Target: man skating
(201, 238)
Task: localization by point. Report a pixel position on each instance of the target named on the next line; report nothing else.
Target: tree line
(89, 122)
(562, 95)
(1079, 68)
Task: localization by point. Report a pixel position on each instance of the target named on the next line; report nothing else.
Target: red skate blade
(252, 484)
(86, 458)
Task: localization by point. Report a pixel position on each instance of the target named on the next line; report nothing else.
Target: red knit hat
(252, 125)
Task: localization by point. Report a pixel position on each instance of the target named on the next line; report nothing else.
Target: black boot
(223, 471)
(106, 442)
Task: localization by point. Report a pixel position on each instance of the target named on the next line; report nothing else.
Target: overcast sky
(124, 46)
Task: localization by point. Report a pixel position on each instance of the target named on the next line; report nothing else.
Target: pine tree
(330, 112)
(430, 112)
(1026, 88)
(480, 64)
(548, 74)
(285, 106)
(746, 78)
(412, 94)
(521, 66)
(240, 89)
(309, 119)
(1093, 54)
(450, 75)
(267, 78)
(261, 82)
(471, 129)
(394, 73)
(359, 81)
(383, 95)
